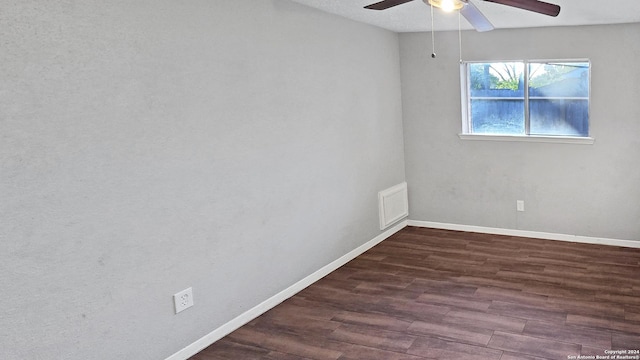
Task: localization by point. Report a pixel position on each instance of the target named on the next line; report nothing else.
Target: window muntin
(521, 98)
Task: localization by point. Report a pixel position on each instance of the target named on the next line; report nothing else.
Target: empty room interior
(277, 179)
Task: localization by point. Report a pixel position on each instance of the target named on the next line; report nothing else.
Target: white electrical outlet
(183, 300)
(520, 205)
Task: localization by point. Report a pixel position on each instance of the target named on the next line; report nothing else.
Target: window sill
(530, 138)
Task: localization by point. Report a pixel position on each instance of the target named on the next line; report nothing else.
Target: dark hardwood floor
(436, 294)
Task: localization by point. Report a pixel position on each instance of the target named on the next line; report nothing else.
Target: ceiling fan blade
(475, 17)
(385, 4)
(531, 5)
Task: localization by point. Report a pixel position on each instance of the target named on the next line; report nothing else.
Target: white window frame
(466, 108)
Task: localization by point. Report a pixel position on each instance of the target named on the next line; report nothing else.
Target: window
(526, 98)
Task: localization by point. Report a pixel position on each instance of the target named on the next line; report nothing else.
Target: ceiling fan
(471, 12)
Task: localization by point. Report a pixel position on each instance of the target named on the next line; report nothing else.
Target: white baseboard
(266, 305)
(526, 233)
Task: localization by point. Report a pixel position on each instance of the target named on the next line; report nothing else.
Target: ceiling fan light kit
(471, 12)
(446, 5)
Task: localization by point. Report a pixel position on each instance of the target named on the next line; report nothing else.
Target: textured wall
(235, 146)
(588, 190)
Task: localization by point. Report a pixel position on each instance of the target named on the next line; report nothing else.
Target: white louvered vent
(393, 204)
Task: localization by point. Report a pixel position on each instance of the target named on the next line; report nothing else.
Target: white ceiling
(415, 16)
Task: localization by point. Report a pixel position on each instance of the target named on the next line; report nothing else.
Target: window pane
(559, 98)
(496, 76)
(497, 98)
(497, 116)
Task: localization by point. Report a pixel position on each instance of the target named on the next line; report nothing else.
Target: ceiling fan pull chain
(433, 36)
(460, 34)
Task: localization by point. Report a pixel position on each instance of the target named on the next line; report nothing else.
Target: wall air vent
(393, 204)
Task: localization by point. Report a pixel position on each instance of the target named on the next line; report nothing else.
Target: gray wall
(588, 190)
(235, 146)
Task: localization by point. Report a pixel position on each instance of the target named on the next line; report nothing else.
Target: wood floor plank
(373, 337)
(247, 335)
(488, 280)
(340, 298)
(559, 290)
(443, 287)
(299, 346)
(589, 351)
(528, 345)
(226, 349)
(430, 294)
(463, 334)
(518, 296)
(360, 352)
(369, 288)
(411, 310)
(527, 312)
(531, 276)
(604, 323)
(632, 313)
(298, 325)
(619, 298)
(438, 349)
(625, 341)
(276, 355)
(376, 277)
(455, 301)
(373, 320)
(302, 308)
(513, 356)
(485, 320)
(587, 307)
(628, 271)
(586, 336)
